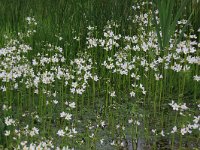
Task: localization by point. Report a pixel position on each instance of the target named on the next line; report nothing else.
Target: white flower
(183, 131)
(122, 144)
(61, 133)
(66, 103)
(137, 123)
(7, 133)
(113, 143)
(73, 90)
(62, 114)
(196, 78)
(162, 133)
(9, 121)
(196, 119)
(95, 78)
(74, 84)
(158, 76)
(66, 128)
(36, 130)
(103, 123)
(117, 126)
(72, 105)
(101, 141)
(60, 38)
(132, 94)
(183, 107)
(174, 129)
(175, 106)
(55, 101)
(144, 92)
(112, 94)
(92, 135)
(153, 130)
(32, 133)
(34, 62)
(74, 130)
(195, 126)
(68, 116)
(130, 120)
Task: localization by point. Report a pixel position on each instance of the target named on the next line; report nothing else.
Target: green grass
(106, 109)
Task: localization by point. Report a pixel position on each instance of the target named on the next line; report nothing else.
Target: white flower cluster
(139, 54)
(20, 69)
(119, 64)
(176, 107)
(31, 24)
(188, 127)
(110, 40)
(67, 132)
(9, 121)
(43, 144)
(195, 125)
(82, 73)
(197, 78)
(15, 68)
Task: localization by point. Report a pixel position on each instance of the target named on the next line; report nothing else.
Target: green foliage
(169, 17)
(126, 89)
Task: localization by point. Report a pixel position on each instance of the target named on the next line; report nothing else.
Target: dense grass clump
(99, 74)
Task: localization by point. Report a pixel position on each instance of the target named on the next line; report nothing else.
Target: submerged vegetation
(99, 75)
